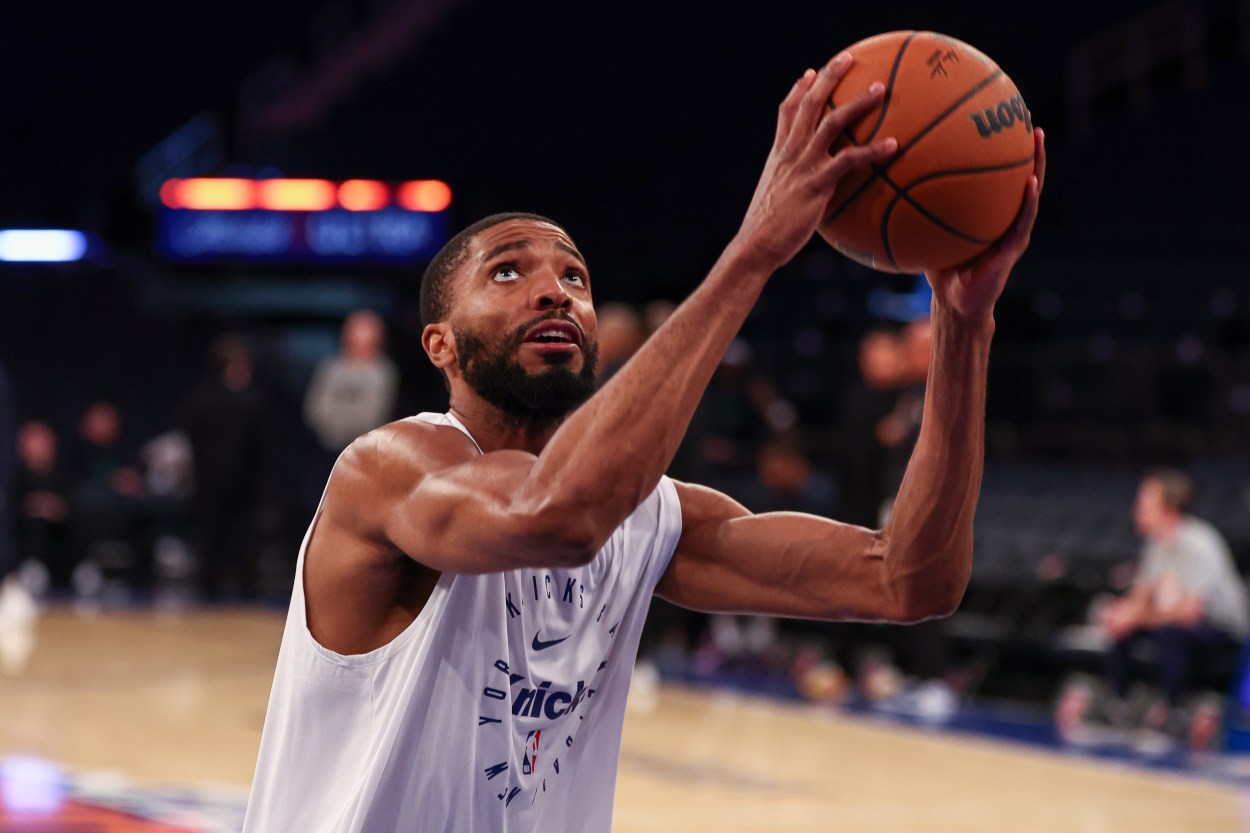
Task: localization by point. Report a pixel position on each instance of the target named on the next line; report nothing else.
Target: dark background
(641, 127)
(1123, 339)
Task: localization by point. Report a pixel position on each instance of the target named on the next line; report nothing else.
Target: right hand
(801, 176)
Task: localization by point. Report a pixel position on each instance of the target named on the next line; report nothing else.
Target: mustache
(518, 334)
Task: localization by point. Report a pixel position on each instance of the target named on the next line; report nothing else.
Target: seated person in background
(42, 499)
(106, 503)
(1187, 597)
(100, 465)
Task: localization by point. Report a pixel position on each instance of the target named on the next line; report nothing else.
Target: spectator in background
(168, 477)
(881, 425)
(17, 608)
(865, 405)
(656, 313)
(786, 481)
(104, 509)
(42, 497)
(352, 392)
(740, 412)
(226, 421)
(100, 462)
(621, 333)
(1187, 598)
(896, 432)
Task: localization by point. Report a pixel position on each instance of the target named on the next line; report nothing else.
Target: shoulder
(403, 449)
(379, 472)
(1203, 536)
(701, 504)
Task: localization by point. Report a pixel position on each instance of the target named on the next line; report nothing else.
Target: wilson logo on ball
(1002, 117)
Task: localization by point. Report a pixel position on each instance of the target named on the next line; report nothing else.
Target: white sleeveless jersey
(498, 709)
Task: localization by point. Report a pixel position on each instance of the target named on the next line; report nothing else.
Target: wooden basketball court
(178, 699)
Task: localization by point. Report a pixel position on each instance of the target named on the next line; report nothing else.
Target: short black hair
(436, 286)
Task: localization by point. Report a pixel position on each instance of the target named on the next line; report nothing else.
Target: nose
(549, 292)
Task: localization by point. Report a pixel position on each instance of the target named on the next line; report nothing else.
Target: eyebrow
(506, 247)
(574, 252)
(525, 244)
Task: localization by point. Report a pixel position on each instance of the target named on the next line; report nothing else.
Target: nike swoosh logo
(540, 645)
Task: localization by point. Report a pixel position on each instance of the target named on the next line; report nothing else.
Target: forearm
(611, 452)
(1187, 613)
(928, 539)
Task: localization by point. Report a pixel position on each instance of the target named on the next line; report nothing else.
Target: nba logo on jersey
(530, 755)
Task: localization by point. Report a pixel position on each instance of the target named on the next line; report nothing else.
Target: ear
(440, 345)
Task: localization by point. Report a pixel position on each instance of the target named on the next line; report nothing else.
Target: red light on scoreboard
(217, 194)
(296, 194)
(425, 195)
(363, 195)
(311, 195)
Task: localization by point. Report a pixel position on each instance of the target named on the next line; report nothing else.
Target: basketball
(965, 140)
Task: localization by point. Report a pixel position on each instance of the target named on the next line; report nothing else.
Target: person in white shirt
(353, 391)
(470, 594)
(1187, 597)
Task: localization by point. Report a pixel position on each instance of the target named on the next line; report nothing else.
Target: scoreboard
(302, 222)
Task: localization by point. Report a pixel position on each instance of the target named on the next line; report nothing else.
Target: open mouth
(556, 333)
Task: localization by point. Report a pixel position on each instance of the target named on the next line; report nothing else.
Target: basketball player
(470, 594)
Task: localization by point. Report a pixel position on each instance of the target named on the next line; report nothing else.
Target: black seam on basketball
(984, 169)
(886, 249)
(878, 171)
(927, 214)
(885, 106)
(905, 194)
(982, 84)
(889, 88)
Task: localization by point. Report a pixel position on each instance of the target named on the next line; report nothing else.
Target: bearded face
(491, 368)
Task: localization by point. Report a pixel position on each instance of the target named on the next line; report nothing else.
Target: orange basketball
(965, 140)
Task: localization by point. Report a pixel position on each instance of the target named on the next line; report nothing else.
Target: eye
(505, 273)
(574, 277)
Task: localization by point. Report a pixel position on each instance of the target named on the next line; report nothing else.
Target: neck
(1167, 527)
(495, 430)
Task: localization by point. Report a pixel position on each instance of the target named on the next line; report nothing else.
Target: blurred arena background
(180, 380)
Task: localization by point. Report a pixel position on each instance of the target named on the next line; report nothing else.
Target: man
(225, 419)
(471, 592)
(1187, 597)
(18, 610)
(353, 391)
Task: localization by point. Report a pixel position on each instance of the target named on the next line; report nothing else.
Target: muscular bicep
(780, 564)
(425, 491)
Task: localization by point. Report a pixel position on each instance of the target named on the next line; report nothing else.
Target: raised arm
(510, 509)
(917, 566)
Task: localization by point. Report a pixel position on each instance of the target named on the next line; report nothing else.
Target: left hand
(1117, 619)
(971, 289)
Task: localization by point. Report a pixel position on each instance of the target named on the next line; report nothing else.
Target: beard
(525, 399)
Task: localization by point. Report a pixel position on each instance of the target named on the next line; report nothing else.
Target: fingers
(1022, 228)
(860, 156)
(835, 121)
(1039, 157)
(1002, 256)
(812, 107)
(790, 104)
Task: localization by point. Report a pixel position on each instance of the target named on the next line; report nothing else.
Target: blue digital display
(390, 236)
